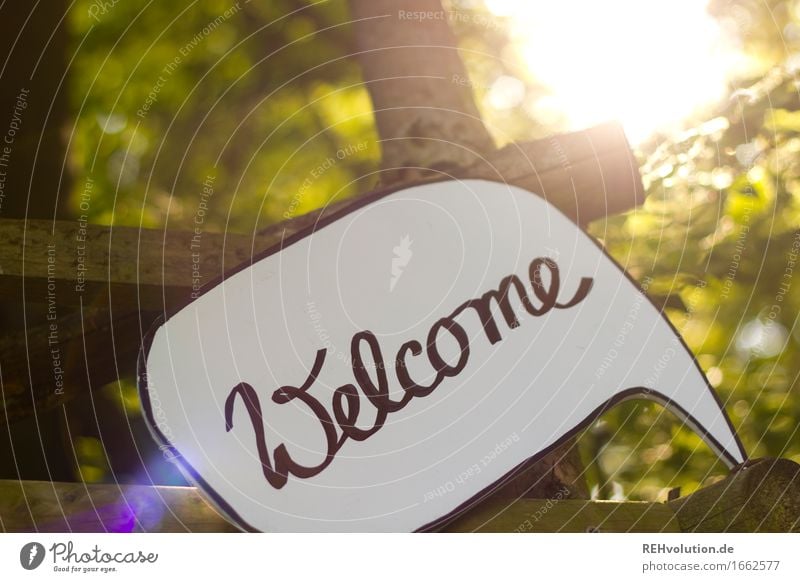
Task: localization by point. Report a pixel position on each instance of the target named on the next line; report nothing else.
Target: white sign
(380, 372)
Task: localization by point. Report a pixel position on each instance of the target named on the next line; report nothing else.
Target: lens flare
(647, 63)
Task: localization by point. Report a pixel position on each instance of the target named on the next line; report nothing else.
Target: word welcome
(347, 400)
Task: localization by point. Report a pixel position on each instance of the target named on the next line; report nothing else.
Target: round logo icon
(31, 555)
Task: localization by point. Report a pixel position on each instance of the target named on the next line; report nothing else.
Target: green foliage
(256, 95)
(727, 195)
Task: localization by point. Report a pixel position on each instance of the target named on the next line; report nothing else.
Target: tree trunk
(33, 109)
(34, 183)
(423, 103)
(428, 122)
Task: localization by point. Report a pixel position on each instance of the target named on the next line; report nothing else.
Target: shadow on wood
(763, 496)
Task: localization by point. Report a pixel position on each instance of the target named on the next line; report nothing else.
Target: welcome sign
(381, 371)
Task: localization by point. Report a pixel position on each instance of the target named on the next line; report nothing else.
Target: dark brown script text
(348, 399)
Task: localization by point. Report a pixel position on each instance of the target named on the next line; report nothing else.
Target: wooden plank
(146, 268)
(59, 507)
(568, 515)
(94, 348)
(27, 506)
(141, 272)
(762, 496)
(588, 175)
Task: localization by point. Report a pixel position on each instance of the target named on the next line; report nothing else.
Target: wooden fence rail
(762, 497)
(128, 276)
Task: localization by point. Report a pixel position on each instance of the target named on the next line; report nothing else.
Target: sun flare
(647, 63)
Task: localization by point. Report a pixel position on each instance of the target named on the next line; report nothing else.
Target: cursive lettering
(347, 401)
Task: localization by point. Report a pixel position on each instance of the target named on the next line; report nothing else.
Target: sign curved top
(381, 370)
